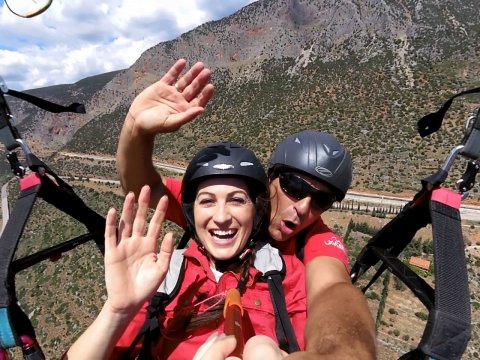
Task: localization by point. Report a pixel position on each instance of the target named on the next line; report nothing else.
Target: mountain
(363, 70)
(48, 129)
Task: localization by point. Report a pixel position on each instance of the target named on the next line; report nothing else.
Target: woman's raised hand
(134, 269)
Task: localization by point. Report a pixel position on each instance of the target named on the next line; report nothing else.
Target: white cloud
(74, 39)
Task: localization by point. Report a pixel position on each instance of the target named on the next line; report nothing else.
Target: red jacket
(199, 284)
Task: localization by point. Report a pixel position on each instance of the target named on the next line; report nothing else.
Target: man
(308, 171)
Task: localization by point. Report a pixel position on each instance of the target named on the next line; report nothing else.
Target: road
(467, 212)
(166, 166)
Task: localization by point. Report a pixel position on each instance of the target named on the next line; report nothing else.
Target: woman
(223, 200)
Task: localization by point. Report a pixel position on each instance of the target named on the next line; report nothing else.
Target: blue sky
(74, 39)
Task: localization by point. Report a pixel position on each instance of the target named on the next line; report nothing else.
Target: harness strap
(9, 331)
(448, 328)
(47, 105)
(283, 327)
(270, 264)
(395, 235)
(422, 290)
(15, 327)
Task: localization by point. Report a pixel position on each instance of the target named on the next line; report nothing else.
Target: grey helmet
(223, 159)
(317, 154)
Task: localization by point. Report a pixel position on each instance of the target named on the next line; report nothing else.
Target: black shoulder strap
(283, 326)
(448, 329)
(184, 240)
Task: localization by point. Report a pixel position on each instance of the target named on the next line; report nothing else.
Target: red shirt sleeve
(321, 241)
(174, 192)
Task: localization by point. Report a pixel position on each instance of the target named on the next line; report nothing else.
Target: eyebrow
(242, 192)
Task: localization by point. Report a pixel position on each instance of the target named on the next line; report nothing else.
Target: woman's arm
(133, 272)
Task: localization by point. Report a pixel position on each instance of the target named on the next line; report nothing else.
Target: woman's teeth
(223, 234)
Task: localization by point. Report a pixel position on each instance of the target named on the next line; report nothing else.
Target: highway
(467, 212)
(166, 166)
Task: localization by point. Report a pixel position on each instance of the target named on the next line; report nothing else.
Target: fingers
(217, 347)
(111, 230)
(204, 96)
(260, 347)
(194, 83)
(126, 219)
(140, 220)
(166, 251)
(195, 78)
(174, 72)
(155, 225)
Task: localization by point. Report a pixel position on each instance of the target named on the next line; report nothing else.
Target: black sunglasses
(298, 188)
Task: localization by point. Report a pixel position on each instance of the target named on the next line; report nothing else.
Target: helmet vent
(246, 163)
(223, 166)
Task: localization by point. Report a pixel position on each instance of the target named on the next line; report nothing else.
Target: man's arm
(339, 323)
(162, 107)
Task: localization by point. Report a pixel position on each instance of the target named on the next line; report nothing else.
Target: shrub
(421, 315)
(372, 295)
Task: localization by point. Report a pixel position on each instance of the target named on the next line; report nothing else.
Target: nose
(221, 214)
(303, 206)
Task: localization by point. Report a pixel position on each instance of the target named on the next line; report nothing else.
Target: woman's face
(223, 213)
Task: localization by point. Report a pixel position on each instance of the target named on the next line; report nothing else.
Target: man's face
(291, 214)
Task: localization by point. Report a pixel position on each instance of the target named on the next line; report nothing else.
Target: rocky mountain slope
(365, 70)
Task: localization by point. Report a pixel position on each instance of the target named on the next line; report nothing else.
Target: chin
(223, 255)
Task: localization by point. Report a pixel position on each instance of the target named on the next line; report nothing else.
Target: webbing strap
(9, 242)
(7, 335)
(62, 196)
(448, 328)
(283, 327)
(394, 236)
(422, 290)
(47, 105)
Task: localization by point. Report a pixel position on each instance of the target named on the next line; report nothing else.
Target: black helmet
(222, 159)
(317, 154)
